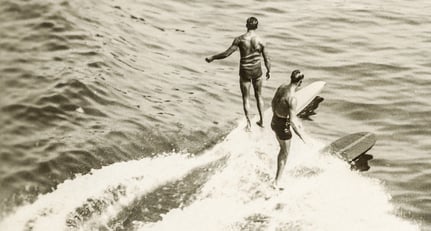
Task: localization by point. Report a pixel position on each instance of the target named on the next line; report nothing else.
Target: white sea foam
(321, 193)
(115, 186)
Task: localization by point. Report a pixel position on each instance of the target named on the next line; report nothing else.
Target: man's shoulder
(283, 90)
(249, 36)
(241, 37)
(283, 86)
(258, 38)
(238, 39)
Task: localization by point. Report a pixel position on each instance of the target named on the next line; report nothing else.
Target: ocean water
(112, 120)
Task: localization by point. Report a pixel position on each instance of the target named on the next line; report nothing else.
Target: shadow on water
(361, 163)
(309, 110)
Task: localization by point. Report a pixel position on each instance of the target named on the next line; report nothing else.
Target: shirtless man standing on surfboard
(284, 115)
(251, 48)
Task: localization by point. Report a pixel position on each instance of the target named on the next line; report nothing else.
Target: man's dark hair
(252, 23)
(296, 76)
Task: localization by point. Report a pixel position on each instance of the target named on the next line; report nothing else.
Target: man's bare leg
(257, 86)
(245, 91)
(281, 160)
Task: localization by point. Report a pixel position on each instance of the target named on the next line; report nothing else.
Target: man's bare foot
(275, 186)
(260, 123)
(247, 128)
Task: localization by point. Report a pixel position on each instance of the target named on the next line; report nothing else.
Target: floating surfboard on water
(352, 148)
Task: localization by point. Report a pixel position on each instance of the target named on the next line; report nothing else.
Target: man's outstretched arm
(225, 53)
(267, 62)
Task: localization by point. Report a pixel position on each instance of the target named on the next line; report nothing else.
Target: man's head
(252, 23)
(296, 77)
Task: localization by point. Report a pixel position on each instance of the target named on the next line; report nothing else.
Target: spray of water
(321, 193)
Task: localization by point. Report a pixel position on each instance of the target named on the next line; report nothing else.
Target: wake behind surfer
(284, 116)
(251, 48)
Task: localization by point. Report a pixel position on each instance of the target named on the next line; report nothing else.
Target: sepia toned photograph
(215, 115)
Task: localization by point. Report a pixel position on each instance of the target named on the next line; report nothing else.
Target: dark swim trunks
(250, 67)
(253, 75)
(281, 127)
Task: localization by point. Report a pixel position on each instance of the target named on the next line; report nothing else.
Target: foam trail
(321, 193)
(110, 189)
(115, 186)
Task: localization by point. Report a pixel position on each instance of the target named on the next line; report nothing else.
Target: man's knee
(282, 156)
(245, 87)
(258, 97)
(245, 99)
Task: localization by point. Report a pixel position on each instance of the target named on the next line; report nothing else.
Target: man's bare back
(280, 102)
(251, 49)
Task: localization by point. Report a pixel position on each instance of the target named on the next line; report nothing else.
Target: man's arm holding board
(294, 120)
